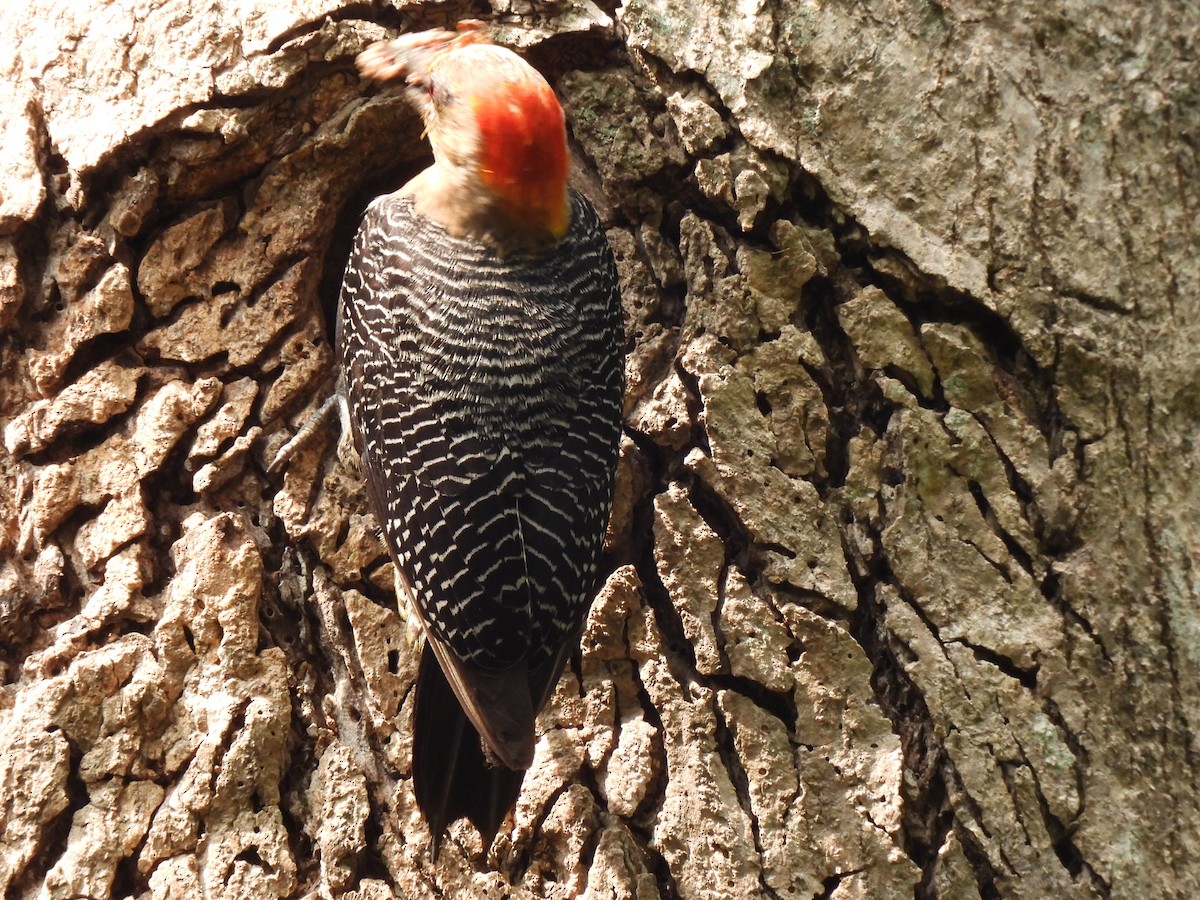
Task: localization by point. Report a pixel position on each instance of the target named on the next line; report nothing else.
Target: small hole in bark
(250, 855)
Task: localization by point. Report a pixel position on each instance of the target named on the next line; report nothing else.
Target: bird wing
(488, 451)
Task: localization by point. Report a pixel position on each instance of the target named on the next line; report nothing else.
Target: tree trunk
(901, 595)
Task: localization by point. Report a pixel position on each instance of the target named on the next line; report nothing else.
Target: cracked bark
(901, 576)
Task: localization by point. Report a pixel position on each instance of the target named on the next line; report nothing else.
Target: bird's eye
(439, 93)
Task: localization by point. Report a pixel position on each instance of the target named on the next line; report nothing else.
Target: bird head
(496, 128)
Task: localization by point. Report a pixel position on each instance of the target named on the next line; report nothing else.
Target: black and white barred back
(485, 396)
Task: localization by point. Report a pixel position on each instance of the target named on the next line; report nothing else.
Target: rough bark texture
(902, 596)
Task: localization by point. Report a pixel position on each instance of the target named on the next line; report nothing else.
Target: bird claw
(414, 631)
(308, 428)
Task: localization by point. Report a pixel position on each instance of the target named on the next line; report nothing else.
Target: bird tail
(451, 777)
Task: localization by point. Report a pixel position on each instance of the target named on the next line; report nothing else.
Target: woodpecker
(481, 370)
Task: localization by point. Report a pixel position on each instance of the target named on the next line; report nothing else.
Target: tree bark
(901, 594)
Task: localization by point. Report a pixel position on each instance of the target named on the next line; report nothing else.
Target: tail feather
(451, 777)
